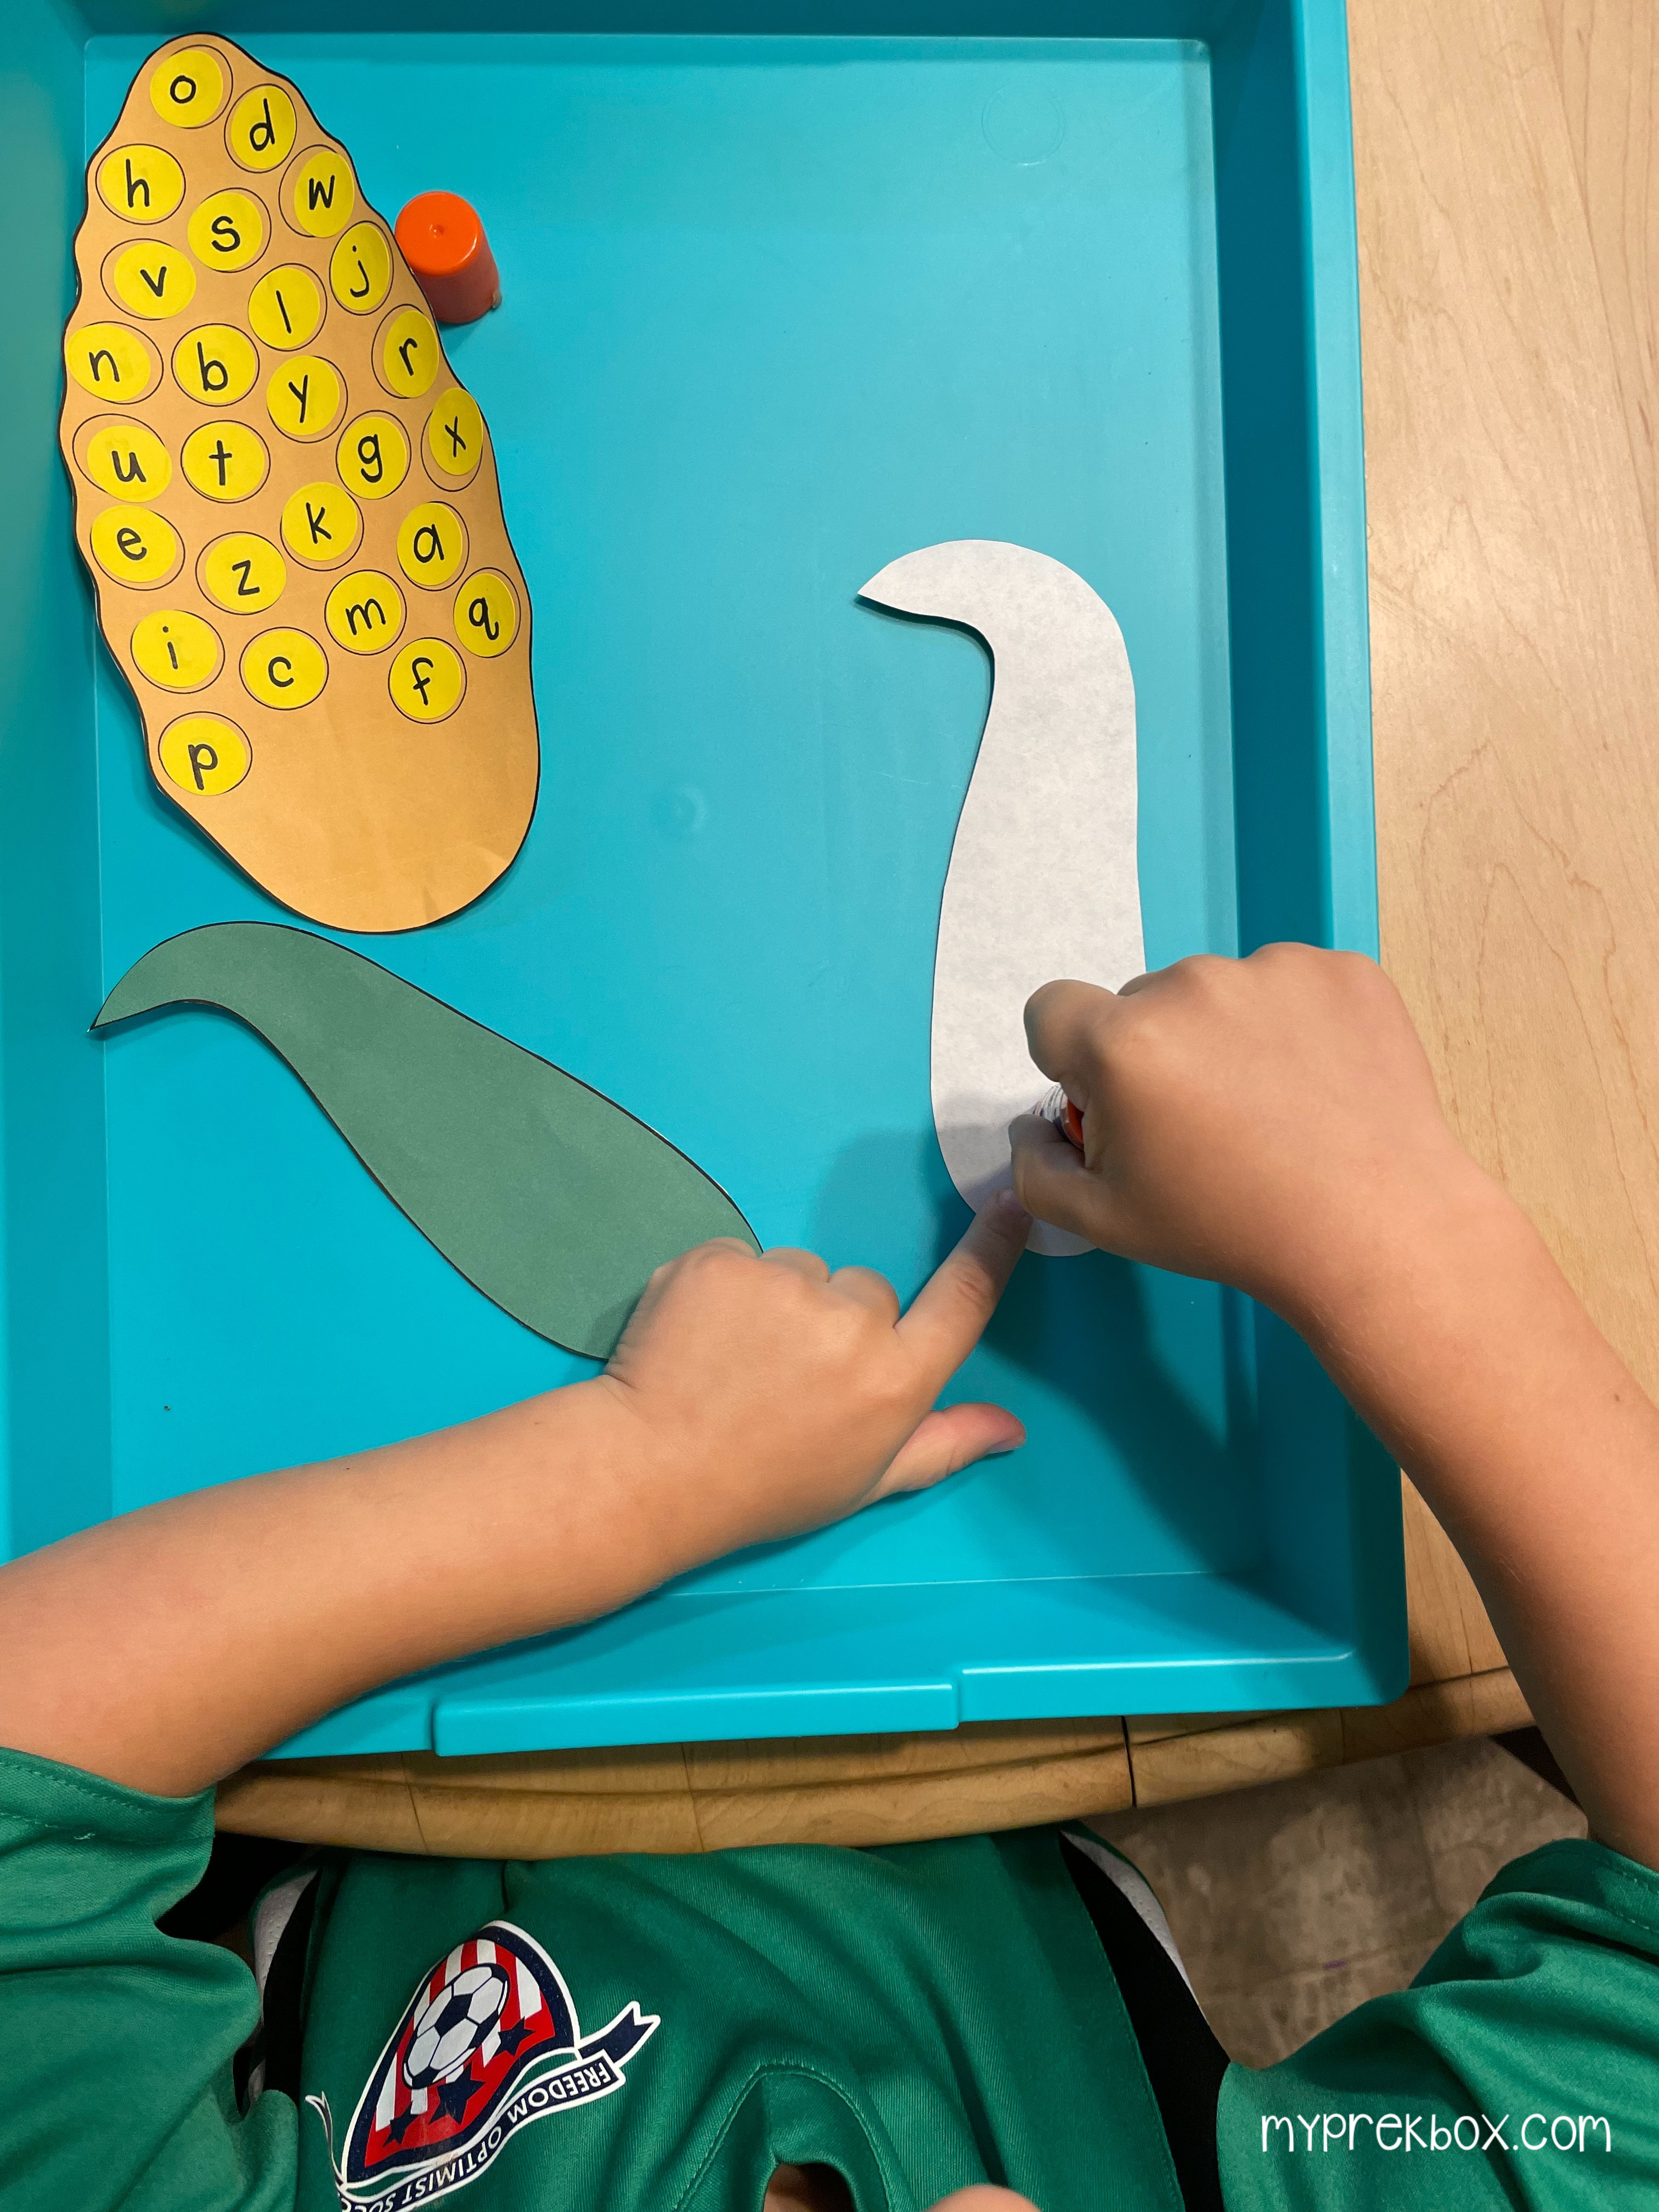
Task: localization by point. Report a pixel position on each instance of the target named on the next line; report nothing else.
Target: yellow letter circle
(204, 754)
(188, 87)
(365, 611)
(228, 230)
(135, 547)
(285, 307)
(125, 459)
(284, 668)
(178, 651)
(304, 396)
(214, 364)
(320, 192)
(373, 456)
(426, 680)
(225, 461)
(431, 545)
(406, 353)
(321, 525)
(260, 132)
(153, 280)
(359, 267)
(486, 613)
(141, 183)
(243, 574)
(109, 361)
(455, 437)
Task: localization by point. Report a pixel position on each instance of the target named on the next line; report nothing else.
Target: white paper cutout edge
(1044, 877)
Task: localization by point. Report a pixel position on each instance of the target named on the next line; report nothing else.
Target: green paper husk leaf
(549, 1198)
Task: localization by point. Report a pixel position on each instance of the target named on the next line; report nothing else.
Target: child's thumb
(1050, 1180)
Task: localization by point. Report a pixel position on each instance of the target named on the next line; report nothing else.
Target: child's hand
(1264, 1122)
(765, 1396)
(748, 1399)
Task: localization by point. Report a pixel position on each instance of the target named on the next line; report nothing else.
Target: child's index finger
(949, 1313)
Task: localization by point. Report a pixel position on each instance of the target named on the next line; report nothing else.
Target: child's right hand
(1272, 1123)
(1269, 1122)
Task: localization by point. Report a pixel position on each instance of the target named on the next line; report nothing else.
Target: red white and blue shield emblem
(488, 2043)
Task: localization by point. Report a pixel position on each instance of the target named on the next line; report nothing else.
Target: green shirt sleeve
(118, 2040)
(1520, 2069)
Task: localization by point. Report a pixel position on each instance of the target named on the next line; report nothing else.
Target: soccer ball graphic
(464, 2017)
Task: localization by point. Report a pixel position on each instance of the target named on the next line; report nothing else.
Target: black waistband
(1183, 2061)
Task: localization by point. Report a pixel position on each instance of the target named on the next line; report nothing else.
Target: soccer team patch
(488, 2043)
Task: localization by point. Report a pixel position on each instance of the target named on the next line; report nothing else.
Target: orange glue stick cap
(443, 242)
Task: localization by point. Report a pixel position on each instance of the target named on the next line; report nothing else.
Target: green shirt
(1537, 2015)
(648, 2034)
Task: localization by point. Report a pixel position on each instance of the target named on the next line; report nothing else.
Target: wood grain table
(1508, 168)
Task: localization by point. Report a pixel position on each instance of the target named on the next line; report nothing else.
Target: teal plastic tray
(786, 295)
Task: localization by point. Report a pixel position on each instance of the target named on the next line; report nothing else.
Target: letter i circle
(177, 650)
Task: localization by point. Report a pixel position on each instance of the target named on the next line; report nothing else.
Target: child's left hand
(748, 1399)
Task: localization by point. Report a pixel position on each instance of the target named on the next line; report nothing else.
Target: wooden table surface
(1507, 157)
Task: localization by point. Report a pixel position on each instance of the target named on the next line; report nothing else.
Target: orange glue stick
(1055, 1106)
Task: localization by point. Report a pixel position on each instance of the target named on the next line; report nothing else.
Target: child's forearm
(165, 1648)
(1465, 1348)
(1272, 1122)
(748, 1399)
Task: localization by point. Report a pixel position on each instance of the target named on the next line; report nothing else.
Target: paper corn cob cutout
(289, 507)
